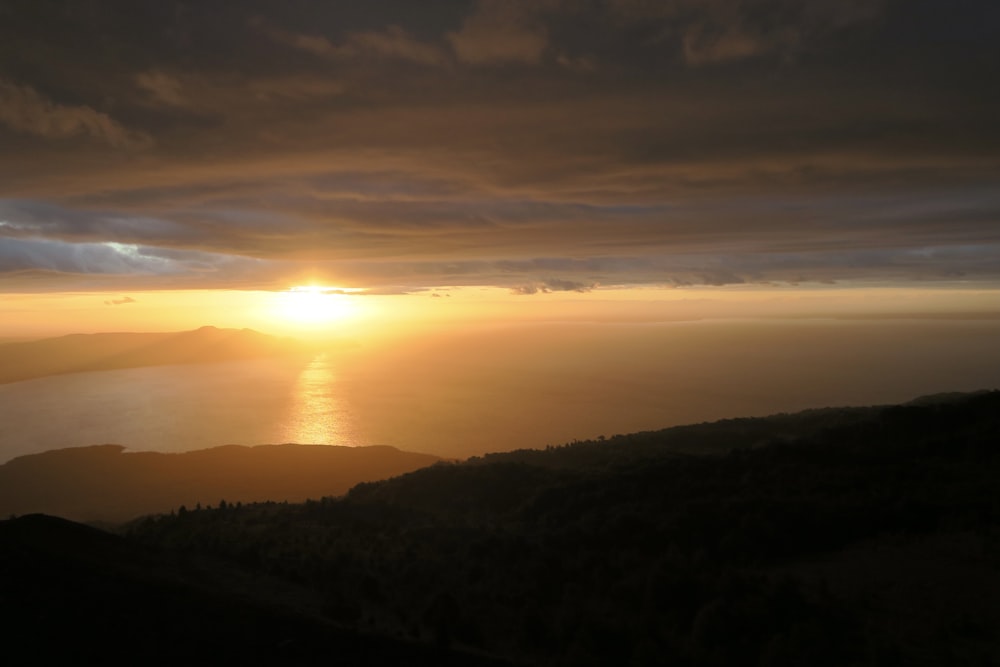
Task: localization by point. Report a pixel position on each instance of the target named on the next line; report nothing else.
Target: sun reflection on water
(318, 413)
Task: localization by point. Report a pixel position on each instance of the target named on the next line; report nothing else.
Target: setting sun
(313, 306)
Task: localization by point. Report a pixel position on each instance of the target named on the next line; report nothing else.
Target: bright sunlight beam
(315, 306)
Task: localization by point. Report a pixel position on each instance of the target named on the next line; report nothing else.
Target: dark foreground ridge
(833, 537)
(76, 595)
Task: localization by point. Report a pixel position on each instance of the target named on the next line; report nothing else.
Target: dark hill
(850, 537)
(75, 595)
(107, 351)
(105, 483)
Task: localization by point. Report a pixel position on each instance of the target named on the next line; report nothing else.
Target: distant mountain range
(104, 483)
(107, 351)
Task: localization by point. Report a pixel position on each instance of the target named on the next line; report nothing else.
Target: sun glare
(314, 306)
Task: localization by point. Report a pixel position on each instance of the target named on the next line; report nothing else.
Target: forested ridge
(855, 536)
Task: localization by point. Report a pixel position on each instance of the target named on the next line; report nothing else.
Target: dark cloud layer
(542, 146)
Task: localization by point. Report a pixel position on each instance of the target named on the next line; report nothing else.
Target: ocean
(503, 388)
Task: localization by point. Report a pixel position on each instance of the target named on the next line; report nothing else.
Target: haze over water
(504, 388)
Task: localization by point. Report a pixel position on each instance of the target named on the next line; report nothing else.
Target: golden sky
(322, 313)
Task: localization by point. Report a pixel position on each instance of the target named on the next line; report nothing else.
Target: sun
(314, 306)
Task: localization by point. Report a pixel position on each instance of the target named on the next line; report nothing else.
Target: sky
(158, 152)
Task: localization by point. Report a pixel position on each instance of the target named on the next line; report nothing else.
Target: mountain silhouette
(104, 483)
(108, 351)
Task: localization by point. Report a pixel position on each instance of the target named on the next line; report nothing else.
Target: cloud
(557, 285)
(38, 219)
(163, 88)
(62, 265)
(120, 302)
(390, 147)
(82, 258)
(498, 32)
(703, 44)
(393, 42)
(553, 285)
(109, 264)
(23, 109)
(719, 31)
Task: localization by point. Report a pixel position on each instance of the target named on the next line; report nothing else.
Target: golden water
(318, 412)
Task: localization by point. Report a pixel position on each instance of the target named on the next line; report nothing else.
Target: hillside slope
(76, 595)
(871, 538)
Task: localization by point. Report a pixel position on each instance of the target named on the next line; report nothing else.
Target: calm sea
(501, 389)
